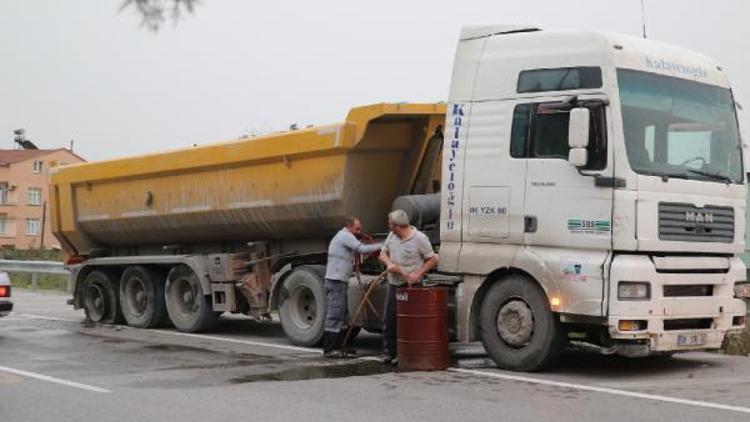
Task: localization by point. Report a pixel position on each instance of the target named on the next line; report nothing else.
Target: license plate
(698, 339)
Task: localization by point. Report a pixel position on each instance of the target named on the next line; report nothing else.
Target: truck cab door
(568, 209)
(494, 183)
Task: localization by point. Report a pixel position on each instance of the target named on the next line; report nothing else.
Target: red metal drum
(422, 333)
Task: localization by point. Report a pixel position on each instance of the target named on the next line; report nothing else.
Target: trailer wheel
(100, 298)
(302, 305)
(517, 327)
(188, 307)
(142, 297)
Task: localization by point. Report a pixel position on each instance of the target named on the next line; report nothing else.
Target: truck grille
(687, 324)
(688, 290)
(688, 223)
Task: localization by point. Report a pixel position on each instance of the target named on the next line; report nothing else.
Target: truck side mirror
(578, 157)
(578, 136)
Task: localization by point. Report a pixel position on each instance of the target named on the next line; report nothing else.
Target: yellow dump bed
(292, 185)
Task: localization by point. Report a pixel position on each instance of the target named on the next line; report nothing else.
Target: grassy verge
(44, 281)
(32, 254)
(739, 344)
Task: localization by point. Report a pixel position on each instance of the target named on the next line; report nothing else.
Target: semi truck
(582, 188)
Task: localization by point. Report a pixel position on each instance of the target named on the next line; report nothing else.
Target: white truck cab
(592, 191)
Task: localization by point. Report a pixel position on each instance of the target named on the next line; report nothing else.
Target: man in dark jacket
(341, 252)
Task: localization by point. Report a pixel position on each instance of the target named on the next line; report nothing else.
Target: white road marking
(49, 309)
(603, 390)
(508, 377)
(54, 380)
(44, 317)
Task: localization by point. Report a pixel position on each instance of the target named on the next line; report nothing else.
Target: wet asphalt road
(54, 367)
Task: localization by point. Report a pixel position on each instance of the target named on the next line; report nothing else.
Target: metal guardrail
(35, 268)
(38, 267)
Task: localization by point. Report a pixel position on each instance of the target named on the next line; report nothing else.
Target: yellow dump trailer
(297, 184)
(230, 216)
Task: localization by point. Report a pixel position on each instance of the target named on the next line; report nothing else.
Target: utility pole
(44, 221)
(643, 17)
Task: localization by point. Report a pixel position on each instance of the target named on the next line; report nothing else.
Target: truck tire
(302, 305)
(142, 297)
(100, 298)
(517, 327)
(189, 309)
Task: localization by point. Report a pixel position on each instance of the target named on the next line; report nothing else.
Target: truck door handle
(609, 182)
(529, 224)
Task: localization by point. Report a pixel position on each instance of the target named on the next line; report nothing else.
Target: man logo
(699, 217)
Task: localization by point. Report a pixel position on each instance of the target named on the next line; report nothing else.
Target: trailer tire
(517, 327)
(302, 305)
(189, 309)
(142, 297)
(101, 302)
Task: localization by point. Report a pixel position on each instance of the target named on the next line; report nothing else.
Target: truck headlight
(633, 290)
(742, 290)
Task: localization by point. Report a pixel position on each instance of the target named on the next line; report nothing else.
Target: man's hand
(413, 278)
(393, 268)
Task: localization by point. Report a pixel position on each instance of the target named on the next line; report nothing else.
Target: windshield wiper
(714, 176)
(664, 175)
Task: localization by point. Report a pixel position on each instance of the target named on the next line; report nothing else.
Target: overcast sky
(81, 70)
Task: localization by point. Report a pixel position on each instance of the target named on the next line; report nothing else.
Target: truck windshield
(679, 128)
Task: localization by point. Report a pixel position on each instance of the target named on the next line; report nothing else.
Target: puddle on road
(165, 349)
(173, 348)
(344, 370)
(270, 362)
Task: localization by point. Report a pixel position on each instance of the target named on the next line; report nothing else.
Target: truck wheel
(142, 297)
(302, 305)
(517, 327)
(100, 298)
(188, 307)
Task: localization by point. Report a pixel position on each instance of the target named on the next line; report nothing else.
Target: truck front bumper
(691, 304)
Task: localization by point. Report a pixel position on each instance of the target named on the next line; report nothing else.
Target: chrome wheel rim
(96, 303)
(304, 308)
(135, 294)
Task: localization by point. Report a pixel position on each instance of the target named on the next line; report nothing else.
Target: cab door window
(549, 134)
(541, 131)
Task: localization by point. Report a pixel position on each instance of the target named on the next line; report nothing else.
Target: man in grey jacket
(341, 252)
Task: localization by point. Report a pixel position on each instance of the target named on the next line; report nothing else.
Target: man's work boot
(331, 346)
(386, 358)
